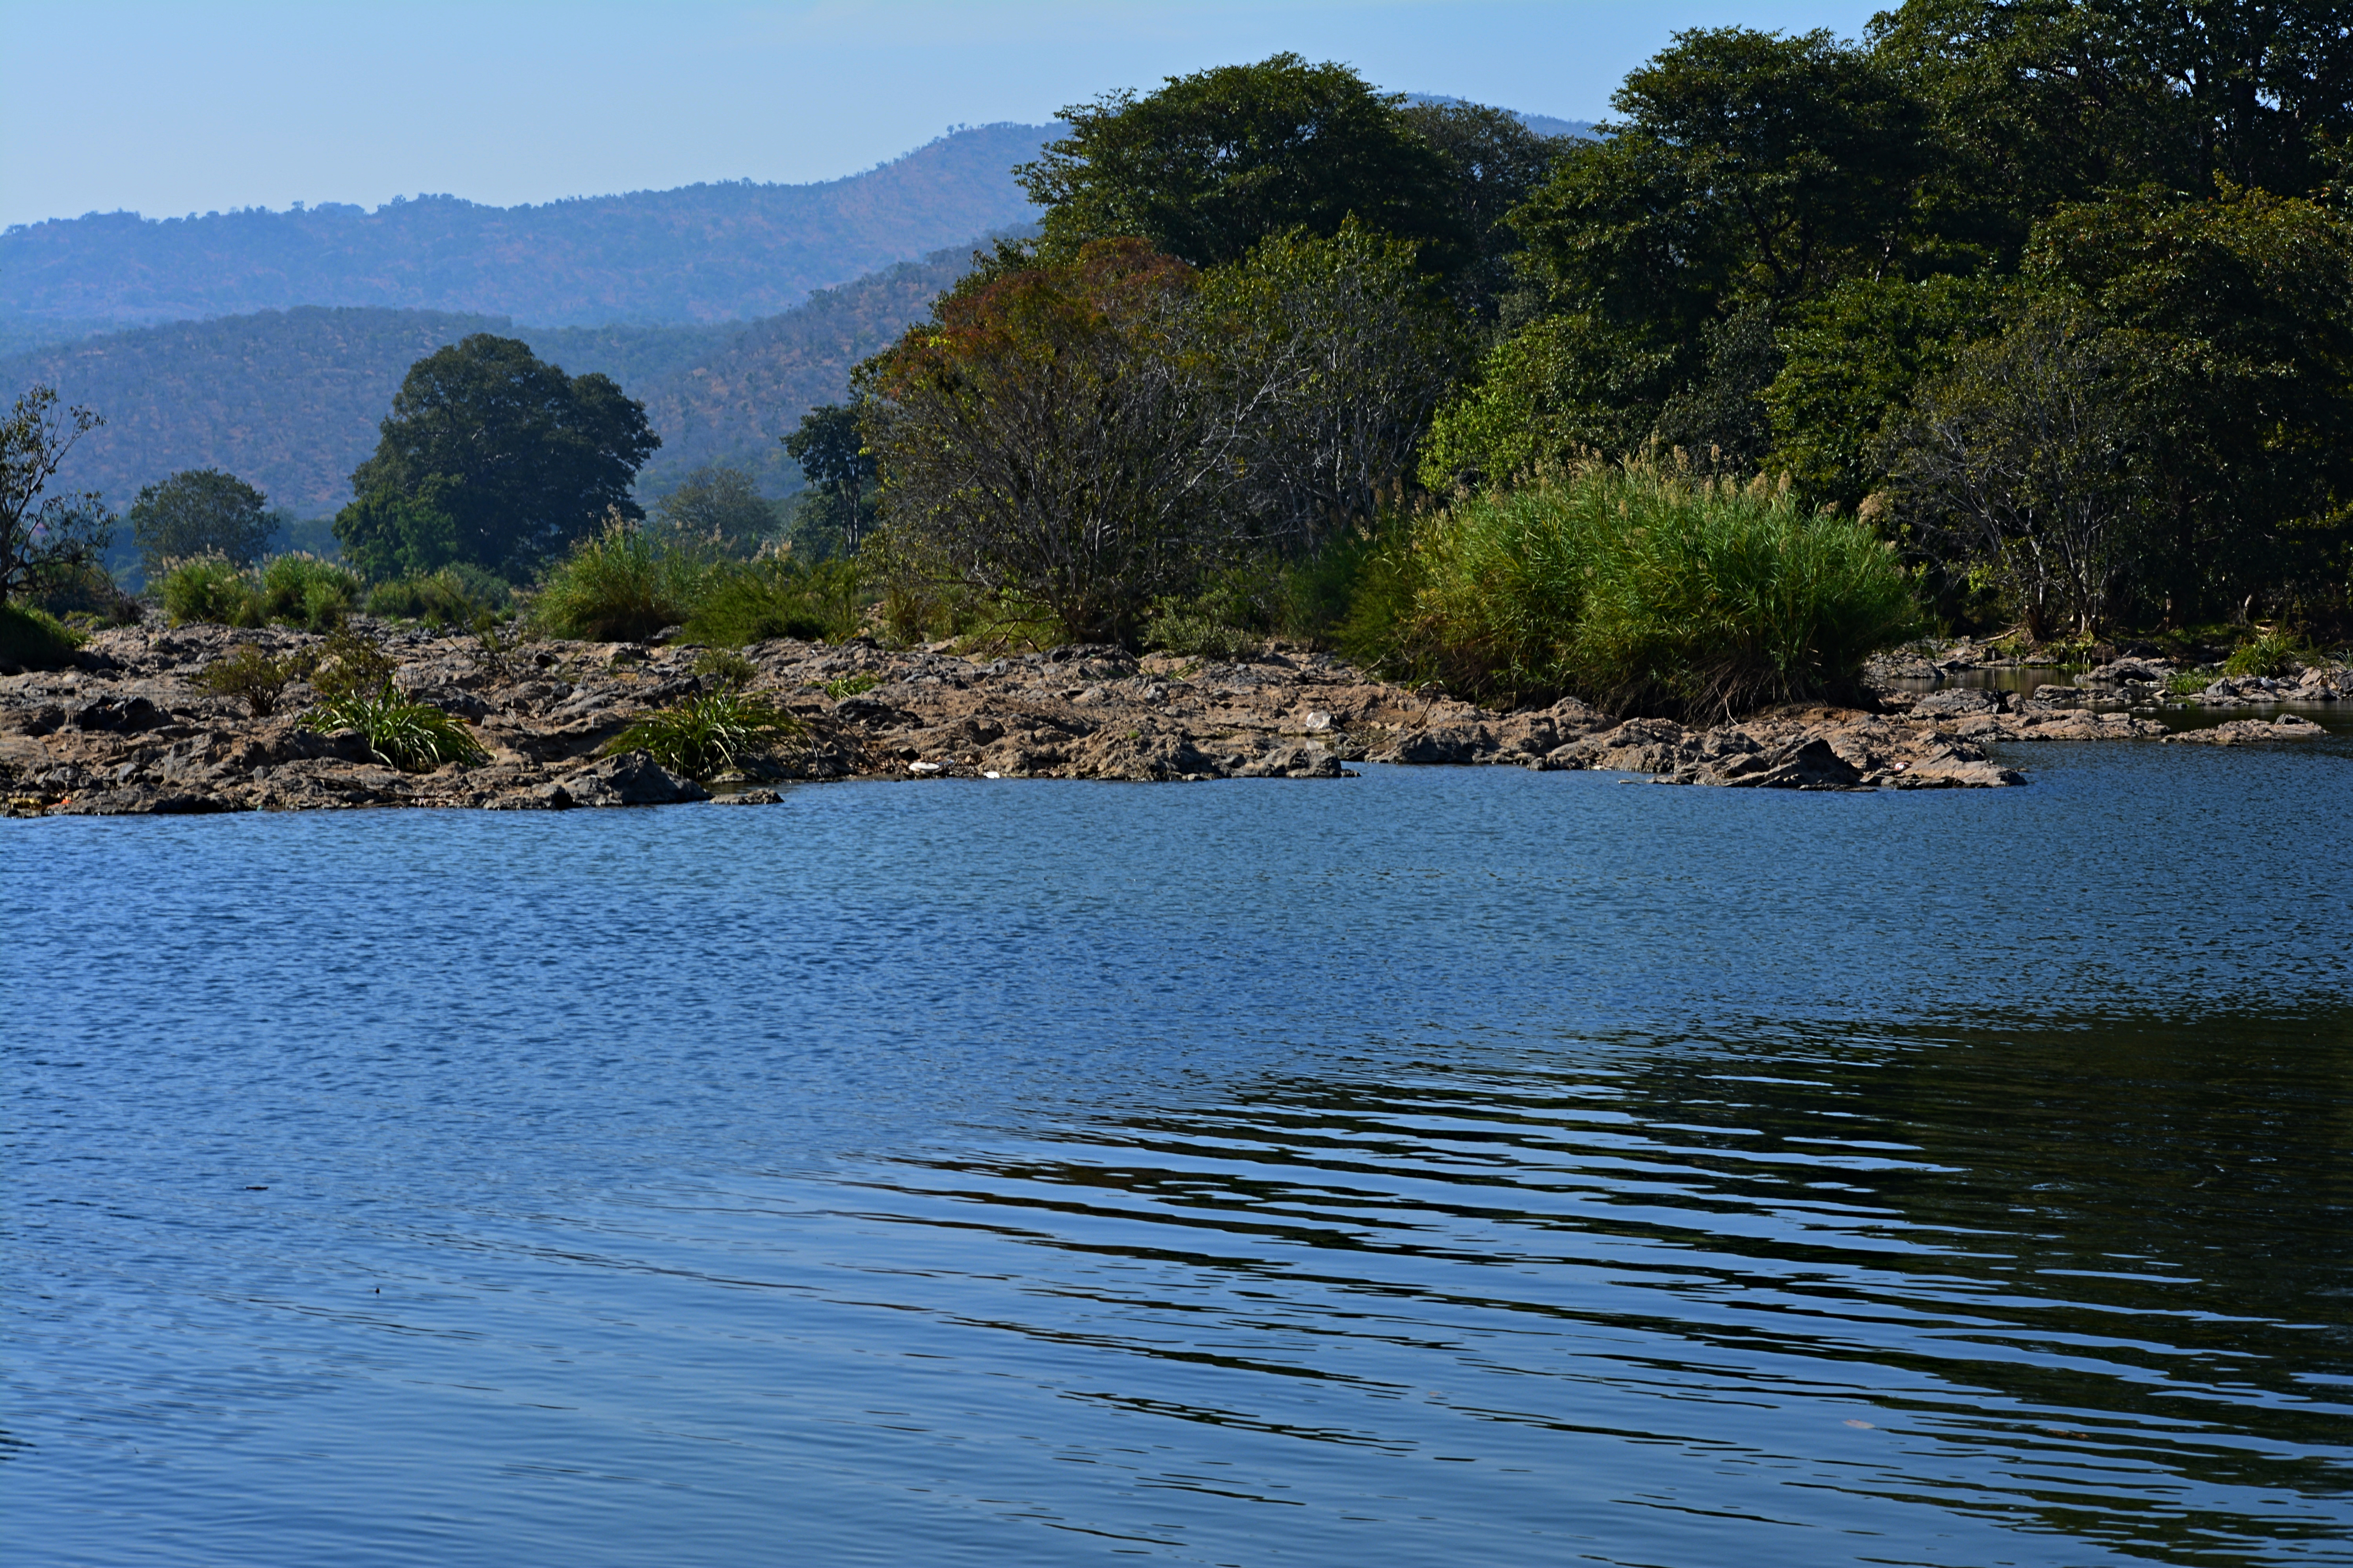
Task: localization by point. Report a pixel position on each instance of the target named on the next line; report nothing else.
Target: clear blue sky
(167, 109)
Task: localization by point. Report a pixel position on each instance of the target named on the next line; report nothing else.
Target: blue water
(1440, 1166)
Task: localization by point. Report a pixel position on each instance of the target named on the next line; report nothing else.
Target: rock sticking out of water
(2253, 731)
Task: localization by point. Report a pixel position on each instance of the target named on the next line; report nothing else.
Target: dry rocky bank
(130, 731)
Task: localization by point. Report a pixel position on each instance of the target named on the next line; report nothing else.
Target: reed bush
(623, 584)
(454, 596)
(2266, 653)
(778, 596)
(301, 590)
(1646, 589)
(210, 588)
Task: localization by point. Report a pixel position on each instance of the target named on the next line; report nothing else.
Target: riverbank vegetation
(2029, 315)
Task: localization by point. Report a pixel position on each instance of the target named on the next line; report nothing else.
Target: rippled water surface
(1441, 1166)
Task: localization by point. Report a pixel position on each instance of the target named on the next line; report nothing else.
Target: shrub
(85, 595)
(34, 639)
(778, 596)
(415, 737)
(2269, 653)
(622, 585)
(349, 664)
(456, 596)
(209, 588)
(301, 590)
(714, 733)
(251, 674)
(1648, 590)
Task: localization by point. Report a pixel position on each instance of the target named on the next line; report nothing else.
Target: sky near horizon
(170, 108)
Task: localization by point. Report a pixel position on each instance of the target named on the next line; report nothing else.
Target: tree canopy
(45, 535)
(1213, 162)
(520, 458)
(200, 511)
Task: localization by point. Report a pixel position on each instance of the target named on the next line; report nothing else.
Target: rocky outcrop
(130, 732)
(2251, 731)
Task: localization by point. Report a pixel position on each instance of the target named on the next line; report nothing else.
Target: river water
(1446, 1165)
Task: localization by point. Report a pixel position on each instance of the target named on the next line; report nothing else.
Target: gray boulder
(633, 778)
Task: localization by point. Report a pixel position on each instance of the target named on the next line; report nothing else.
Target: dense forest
(705, 253)
(290, 400)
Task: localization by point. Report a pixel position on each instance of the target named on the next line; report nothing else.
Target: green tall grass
(778, 596)
(622, 584)
(1642, 589)
(293, 590)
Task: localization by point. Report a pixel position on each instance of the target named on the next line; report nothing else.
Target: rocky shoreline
(130, 731)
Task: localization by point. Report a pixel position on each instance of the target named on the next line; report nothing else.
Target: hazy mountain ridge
(699, 253)
(290, 400)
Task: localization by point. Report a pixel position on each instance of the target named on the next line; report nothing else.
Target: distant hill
(290, 400)
(704, 252)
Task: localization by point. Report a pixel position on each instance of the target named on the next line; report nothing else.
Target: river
(1445, 1166)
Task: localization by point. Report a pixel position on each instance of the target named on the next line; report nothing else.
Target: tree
(2027, 461)
(1214, 162)
(1329, 356)
(1042, 437)
(387, 534)
(720, 505)
(1492, 163)
(520, 458)
(1750, 174)
(45, 538)
(200, 511)
(2244, 309)
(834, 458)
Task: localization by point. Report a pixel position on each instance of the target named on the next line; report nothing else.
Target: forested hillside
(704, 252)
(290, 400)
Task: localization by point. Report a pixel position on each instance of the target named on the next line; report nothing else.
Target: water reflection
(2086, 1280)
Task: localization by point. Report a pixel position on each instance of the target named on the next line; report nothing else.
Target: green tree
(1328, 357)
(2027, 461)
(722, 505)
(45, 538)
(1040, 438)
(1213, 162)
(1492, 164)
(522, 457)
(831, 449)
(387, 534)
(200, 511)
(1749, 174)
(1851, 362)
(2243, 307)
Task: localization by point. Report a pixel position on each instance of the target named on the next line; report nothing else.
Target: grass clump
(715, 733)
(723, 668)
(778, 596)
(623, 585)
(851, 685)
(31, 638)
(294, 590)
(252, 676)
(2268, 653)
(415, 737)
(301, 590)
(209, 588)
(1642, 589)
